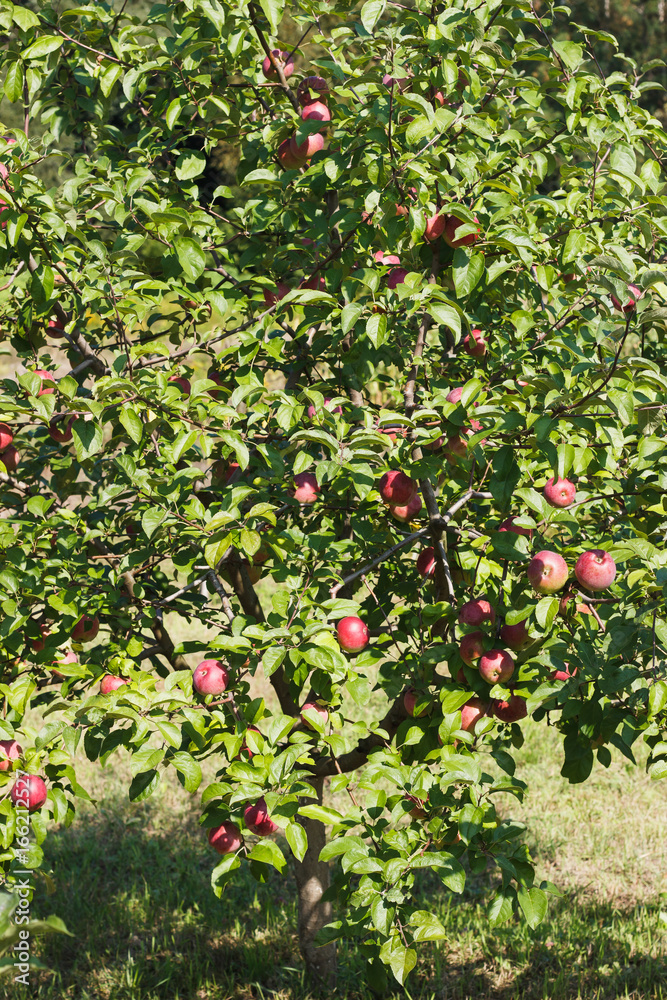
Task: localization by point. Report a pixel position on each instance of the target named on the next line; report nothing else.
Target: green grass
(132, 884)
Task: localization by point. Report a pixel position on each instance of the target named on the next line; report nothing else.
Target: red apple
(312, 706)
(634, 295)
(6, 436)
(418, 806)
(55, 328)
(38, 644)
(215, 376)
(455, 395)
(286, 157)
(402, 82)
(409, 702)
(426, 562)
(306, 487)
(496, 666)
(388, 259)
(516, 636)
(86, 629)
(9, 750)
(559, 492)
(511, 711)
(270, 298)
(10, 458)
(111, 682)
(47, 377)
(455, 448)
(476, 612)
(285, 61)
(396, 277)
(509, 525)
(435, 227)
(396, 488)
(68, 657)
(312, 144)
(210, 677)
(352, 634)
(29, 792)
(226, 838)
(452, 224)
(257, 819)
(547, 572)
(405, 512)
(61, 430)
(316, 283)
(471, 647)
(313, 411)
(564, 675)
(182, 383)
(310, 89)
(595, 569)
(316, 111)
(474, 343)
(472, 712)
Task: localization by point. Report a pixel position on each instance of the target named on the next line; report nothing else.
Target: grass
(132, 884)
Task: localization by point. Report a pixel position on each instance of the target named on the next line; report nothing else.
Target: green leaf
(545, 612)
(132, 423)
(467, 271)
(322, 813)
(151, 519)
(273, 12)
(43, 46)
(271, 659)
(370, 14)
(575, 245)
(143, 785)
(533, 903)
(191, 163)
(173, 112)
(297, 840)
(24, 18)
(187, 767)
(571, 53)
(268, 852)
(191, 257)
(376, 329)
(88, 438)
(657, 697)
(426, 926)
(14, 82)
(401, 960)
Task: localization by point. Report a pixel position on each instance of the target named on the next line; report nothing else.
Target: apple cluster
(311, 94)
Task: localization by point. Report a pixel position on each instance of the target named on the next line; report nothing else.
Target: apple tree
(335, 340)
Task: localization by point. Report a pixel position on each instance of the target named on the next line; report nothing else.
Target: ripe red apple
(38, 644)
(303, 151)
(547, 572)
(455, 395)
(312, 706)
(61, 430)
(313, 411)
(245, 749)
(10, 458)
(396, 277)
(226, 838)
(86, 629)
(29, 792)
(55, 328)
(257, 819)
(286, 157)
(516, 636)
(111, 682)
(396, 488)
(210, 677)
(6, 436)
(306, 487)
(455, 448)
(509, 525)
(386, 258)
(68, 657)
(474, 344)
(595, 569)
(310, 89)
(316, 283)
(316, 111)
(471, 647)
(496, 666)
(9, 750)
(285, 61)
(511, 711)
(4, 169)
(559, 492)
(426, 562)
(435, 227)
(45, 377)
(182, 383)
(472, 712)
(452, 224)
(352, 634)
(409, 702)
(270, 298)
(215, 376)
(476, 612)
(405, 512)
(564, 675)
(634, 295)
(418, 806)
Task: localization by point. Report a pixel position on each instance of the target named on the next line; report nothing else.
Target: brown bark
(312, 881)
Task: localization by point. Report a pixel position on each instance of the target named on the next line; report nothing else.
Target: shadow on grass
(147, 925)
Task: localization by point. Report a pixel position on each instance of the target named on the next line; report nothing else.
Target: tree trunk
(312, 880)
